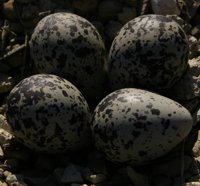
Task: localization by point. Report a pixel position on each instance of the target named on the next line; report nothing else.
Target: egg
(150, 52)
(49, 114)
(69, 46)
(135, 126)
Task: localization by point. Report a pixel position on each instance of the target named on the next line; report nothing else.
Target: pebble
(188, 87)
(3, 121)
(6, 83)
(192, 184)
(5, 137)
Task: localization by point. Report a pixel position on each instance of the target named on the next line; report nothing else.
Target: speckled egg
(136, 126)
(68, 45)
(49, 114)
(149, 52)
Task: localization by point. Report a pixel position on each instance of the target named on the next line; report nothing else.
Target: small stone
(188, 87)
(71, 175)
(1, 153)
(3, 183)
(164, 7)
(3, 121)
(10, 179)
(6, 83)
(5, 137)
(192, 184)
(7, 173)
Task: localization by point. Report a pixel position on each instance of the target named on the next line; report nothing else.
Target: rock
(188, 87)
(71, 175)
(164, 7)
(1, 153)
(192, 184)
(6, 83)
(5, 137)
(13, 179)
(3, 121)
(3, 183)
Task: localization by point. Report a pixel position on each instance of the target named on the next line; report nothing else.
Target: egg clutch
(132, 122)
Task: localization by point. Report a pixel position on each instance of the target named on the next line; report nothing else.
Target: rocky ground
(19, 166)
